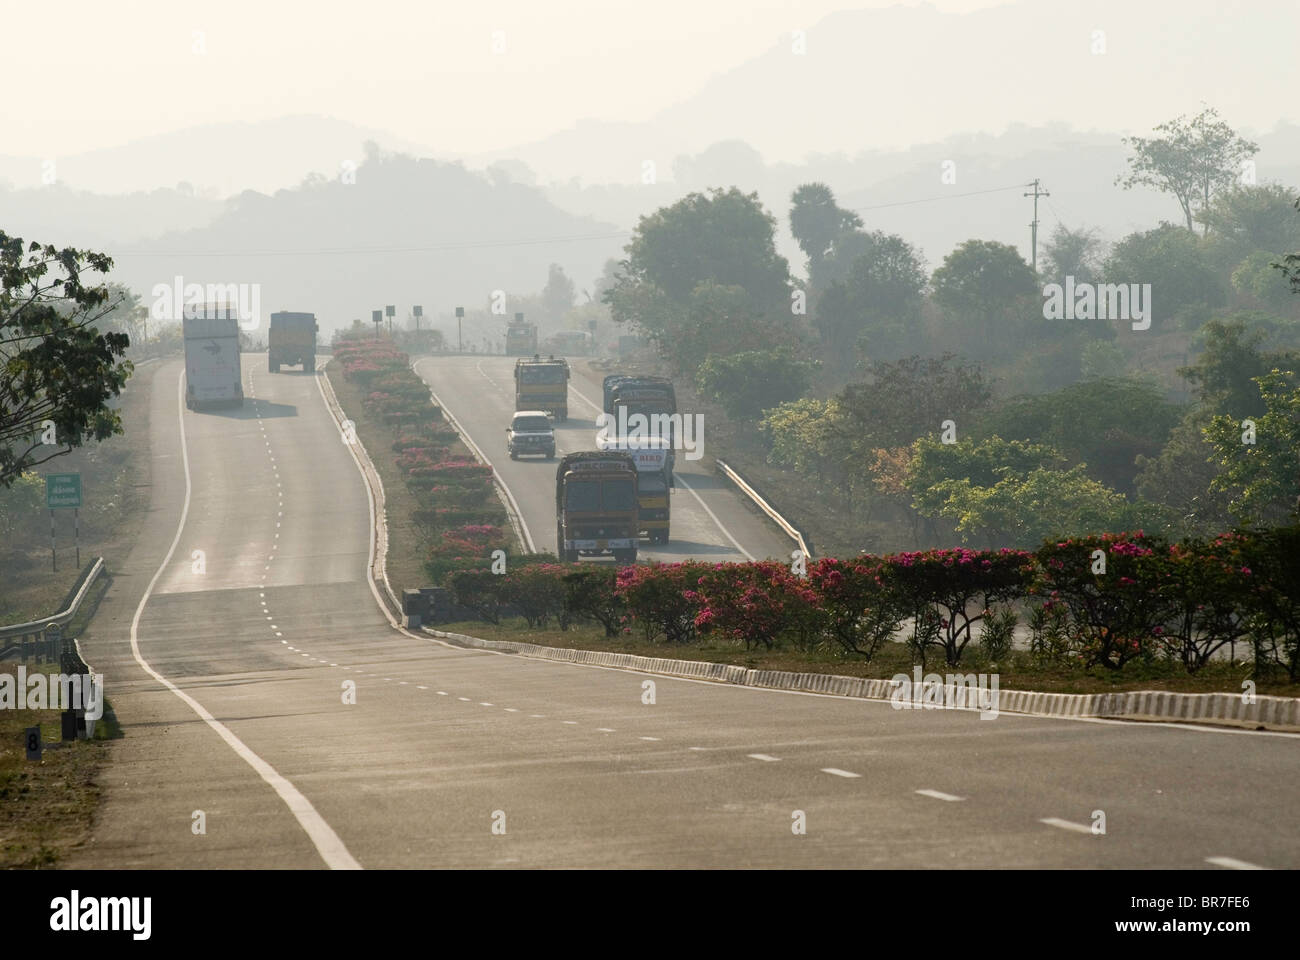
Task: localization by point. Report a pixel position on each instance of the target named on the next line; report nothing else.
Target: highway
(228, 669)
(710, 520)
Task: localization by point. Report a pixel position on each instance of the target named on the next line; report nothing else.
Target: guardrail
(32, 638)
(794, 532)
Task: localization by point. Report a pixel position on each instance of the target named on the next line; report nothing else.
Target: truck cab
(543, 384)
(530, 431)
(596, 507)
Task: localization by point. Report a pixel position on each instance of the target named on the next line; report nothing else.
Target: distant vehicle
(212, 372)
(647, 396)
(291, 339)
(521, 339)
(530, 431)
(542, 384)
(654, 472)
(596, 508)
(570, 343)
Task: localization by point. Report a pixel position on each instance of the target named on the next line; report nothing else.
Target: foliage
(859, 609)
(748, 383)
(1263, 476)
(751, 603)
(59, 369)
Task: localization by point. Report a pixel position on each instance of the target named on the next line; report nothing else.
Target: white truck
(212, 374)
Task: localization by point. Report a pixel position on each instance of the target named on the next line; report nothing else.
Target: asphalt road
(710, 520)
(229, 683)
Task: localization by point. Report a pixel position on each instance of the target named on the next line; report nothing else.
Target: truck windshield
(591, 496)
(535, 374)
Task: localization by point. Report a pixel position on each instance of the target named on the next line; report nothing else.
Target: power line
(946, 196)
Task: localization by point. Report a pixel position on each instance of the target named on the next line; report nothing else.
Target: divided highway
(230, 634)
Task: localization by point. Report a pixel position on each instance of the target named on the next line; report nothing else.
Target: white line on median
(939, 795)
(1233, 864)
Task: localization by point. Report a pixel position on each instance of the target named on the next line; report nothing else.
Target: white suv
(530, 431)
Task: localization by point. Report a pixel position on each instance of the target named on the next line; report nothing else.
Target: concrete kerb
(1206, 708)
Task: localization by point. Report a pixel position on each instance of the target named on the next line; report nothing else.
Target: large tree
(878, 305)
(990, 298)
(1190, 159)
(817, 222)
(59, 369)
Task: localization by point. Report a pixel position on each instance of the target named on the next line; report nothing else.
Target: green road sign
(63, 490)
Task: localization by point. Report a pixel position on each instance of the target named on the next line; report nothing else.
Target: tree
(59, 370)
(724, 237)
(1072, 253)
(817, 221)
(1225, 372)
(1246, 219)
(557, 295)
(1264, 475)
(748, 383)
(1091, 422)
(878, 306)
(1181, 478)
(1190, 159)
(1012, 493)
(1174, 262)
(990, 296)
(910, 398)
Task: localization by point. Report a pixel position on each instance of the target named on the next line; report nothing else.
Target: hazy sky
(425, 71)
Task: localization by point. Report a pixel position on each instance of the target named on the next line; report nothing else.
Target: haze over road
(584, 773)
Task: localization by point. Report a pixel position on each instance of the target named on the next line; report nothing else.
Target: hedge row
(454, 491)
(1099, 601)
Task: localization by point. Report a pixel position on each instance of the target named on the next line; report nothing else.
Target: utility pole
(460, 315)
(1033, 227)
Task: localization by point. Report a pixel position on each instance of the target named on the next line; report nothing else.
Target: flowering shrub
(1205, 583)
(949, 591)
(751, 602)
(1113, 615)
(661, 598)
(590, 594)
(536, 591)
(858, 607)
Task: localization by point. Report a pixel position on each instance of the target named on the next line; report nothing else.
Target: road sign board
(63, 490)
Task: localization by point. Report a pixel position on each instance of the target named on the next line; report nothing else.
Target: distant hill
(407, 231)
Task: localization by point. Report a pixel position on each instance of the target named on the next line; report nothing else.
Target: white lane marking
(442, 693)
(940, 795)
(322, 835)
(701, 749)
(648, 738)
(604, 729)
(572, 723)
(484, 704)
(418, 687)
(837, 772)
(1066, 825)
(1233, 864)
(765, 757)
(511, 709)
(466, 699)
(537, 716)
(689, 489)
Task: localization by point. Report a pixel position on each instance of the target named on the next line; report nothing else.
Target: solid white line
(836, 771)
(1233, 864)
(326, 841)
(938, 795)
(767, 758)
(649, 738)
(1067, 825)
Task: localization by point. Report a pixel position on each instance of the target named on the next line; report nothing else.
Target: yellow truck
(291, 339)
(653, 457)
(542, 384)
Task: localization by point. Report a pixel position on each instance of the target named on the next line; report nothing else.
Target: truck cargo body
(212, 372)
(596, 509)
(654, 478)
(291, 340)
